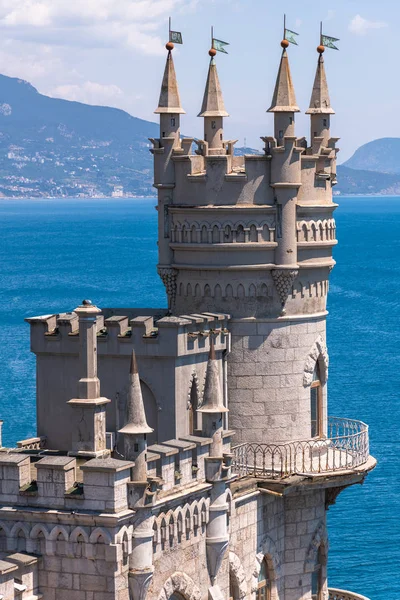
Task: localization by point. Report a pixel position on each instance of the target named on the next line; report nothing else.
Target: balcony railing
(345, 447)
(335, 594)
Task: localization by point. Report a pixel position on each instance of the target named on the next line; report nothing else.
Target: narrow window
(264, 583)
(280, 133)
(291, 120)
(325, 122)
(316, 579)
(315, 134)
(213, 125)
(163, 133)
(205, 137)
(220, 136)
(193, 406)
(316, 404)
(173, 122)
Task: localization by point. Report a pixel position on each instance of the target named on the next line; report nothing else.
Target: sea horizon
(55, 252)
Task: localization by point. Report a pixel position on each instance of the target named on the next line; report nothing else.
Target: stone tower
(252, 237)
(137, 493)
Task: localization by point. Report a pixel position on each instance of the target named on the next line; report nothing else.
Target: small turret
(169, 105)
(136, 427)
(213, 110)
(213, 405)
(284, 103)
(320, 104)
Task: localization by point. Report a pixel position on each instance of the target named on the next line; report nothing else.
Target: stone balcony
(335, 594)
(345, 448)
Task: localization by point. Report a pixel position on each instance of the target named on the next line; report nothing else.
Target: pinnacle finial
(320, 102)
(284, 98)
(169, 101)
(213, 102)
(136, 422)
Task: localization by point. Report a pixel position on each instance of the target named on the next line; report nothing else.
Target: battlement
(43, 479)
(228, 180)
(118, 334)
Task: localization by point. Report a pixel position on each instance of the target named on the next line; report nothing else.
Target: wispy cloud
(361, 26)
(88, 92)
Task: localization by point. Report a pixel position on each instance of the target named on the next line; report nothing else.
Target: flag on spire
(329, 42)
(174, 36)
(290, 36)
(219, 45)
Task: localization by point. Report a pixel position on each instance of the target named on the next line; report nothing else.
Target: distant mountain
(57, 147)
(354, 181)
(52, 147)
(381, 155)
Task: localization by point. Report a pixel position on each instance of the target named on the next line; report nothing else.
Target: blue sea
(54, 253)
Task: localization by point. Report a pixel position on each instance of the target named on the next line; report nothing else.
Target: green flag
(219, 45)
(328, 42)
(290, 36)
(175, 37)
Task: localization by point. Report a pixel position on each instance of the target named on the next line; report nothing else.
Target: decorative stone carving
(181, 583)
(320, 353)
(215, 553)
(320, 537)
(283, 279)
(268, 551)
(331, 494)
(168, 277)
(236, 571)
(139, 582)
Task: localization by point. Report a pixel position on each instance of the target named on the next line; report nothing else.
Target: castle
(205, 466)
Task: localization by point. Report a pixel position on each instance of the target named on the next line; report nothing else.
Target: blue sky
(112, 52)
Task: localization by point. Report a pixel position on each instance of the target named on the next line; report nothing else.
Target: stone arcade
(205, 466)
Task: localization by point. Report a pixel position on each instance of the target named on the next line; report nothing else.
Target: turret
(135, 428)
(213, 110)
(213, 405)
(284, 100)
(169, 105)
(320, 104)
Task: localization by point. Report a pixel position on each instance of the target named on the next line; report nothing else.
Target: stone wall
(268, 369)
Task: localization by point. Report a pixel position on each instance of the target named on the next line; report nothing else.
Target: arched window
(264, 583)
(316, 403)
(316, 578)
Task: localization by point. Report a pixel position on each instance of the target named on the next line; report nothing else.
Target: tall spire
(284, 98)
(213, 402)
(213, 102)
(320, 102)
(136, 422)
(169, 102)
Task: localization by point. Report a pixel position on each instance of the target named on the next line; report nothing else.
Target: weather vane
(289, 36)
(217, 45)
(326, 41)
(174, 37)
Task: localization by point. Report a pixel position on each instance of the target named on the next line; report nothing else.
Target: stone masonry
(187, 453)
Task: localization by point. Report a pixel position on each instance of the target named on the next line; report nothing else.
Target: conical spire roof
(213, 102)
(135, 416)
(169, 101)
(320, 102)
(213, 401)
(284, 99)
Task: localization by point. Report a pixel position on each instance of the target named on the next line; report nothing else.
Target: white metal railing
(335, 594)
(345, 447)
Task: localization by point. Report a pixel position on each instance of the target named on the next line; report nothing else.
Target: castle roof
(135, 416)
(213, 102)
(284, 98)
(320, 102)
(212, 399)
(169, 101)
